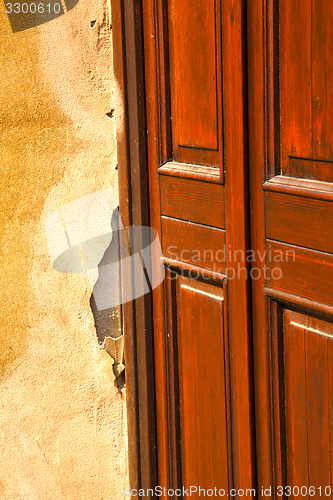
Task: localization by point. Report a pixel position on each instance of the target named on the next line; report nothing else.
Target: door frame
(134, 210)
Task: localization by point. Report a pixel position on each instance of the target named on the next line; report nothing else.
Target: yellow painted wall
(62, 427)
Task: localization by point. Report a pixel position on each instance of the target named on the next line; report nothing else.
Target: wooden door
(195, 76)
(290, 78)
(228, 153)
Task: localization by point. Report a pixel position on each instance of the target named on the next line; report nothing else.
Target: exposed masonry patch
(108, 321)
(110, 338)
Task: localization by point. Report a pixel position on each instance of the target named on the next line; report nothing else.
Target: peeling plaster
(62, 421)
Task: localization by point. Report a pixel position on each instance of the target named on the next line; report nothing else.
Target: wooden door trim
(300, 187)
(261, 152)
(302, 303)
(134, 210)
(205, 174)
(234, 28)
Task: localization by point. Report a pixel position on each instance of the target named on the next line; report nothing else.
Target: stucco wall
(62, 426)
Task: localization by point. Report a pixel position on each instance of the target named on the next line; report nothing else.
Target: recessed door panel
(194, 61)
(205, 437)
(195, 81)
(306, 43)
(308, 351)
(304, 355)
